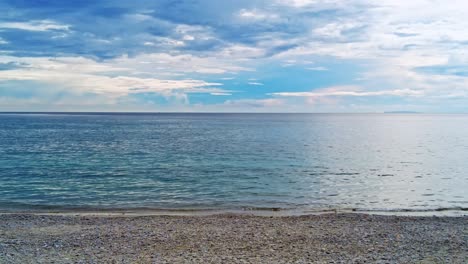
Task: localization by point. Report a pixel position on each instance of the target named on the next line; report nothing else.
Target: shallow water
(230, 161)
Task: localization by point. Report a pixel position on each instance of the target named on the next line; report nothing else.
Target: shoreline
(232, 238)
(266, 212)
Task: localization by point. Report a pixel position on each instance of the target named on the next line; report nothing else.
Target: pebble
(332, 238)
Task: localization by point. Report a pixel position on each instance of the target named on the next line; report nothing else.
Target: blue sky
(234, 56)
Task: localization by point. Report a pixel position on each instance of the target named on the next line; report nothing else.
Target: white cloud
(160, 64)
(273, 102)
(154, 72)
(221, 94)
(257, 14)
(389, 29)
(111, 86)
(241, 52)
(139, 17)
(190, 32)
(354, 91)
(335, 30)
(394, 38)
(35, 25)
(297, 3)
(319, 68)
(84, 75)
(255, 83)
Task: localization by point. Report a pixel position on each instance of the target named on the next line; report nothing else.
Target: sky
(234, 56)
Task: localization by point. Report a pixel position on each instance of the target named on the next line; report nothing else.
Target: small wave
(255, 210)
(386, 175)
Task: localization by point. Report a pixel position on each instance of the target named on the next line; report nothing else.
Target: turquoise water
(233, 161)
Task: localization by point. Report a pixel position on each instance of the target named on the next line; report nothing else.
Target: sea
(201, 161)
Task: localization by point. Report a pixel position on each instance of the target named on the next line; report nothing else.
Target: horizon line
(187, 112)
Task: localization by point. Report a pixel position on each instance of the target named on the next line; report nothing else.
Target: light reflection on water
(381, 161)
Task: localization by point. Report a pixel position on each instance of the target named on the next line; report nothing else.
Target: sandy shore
(329, 238)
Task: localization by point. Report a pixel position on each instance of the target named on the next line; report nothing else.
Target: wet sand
(232, 238)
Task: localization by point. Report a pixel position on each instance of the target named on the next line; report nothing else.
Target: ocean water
(234, 161)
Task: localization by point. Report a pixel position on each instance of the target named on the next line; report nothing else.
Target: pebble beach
(232, 238)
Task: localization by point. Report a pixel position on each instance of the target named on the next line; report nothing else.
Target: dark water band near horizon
(312, 162)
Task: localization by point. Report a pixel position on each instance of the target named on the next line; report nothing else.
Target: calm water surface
(220, 161)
